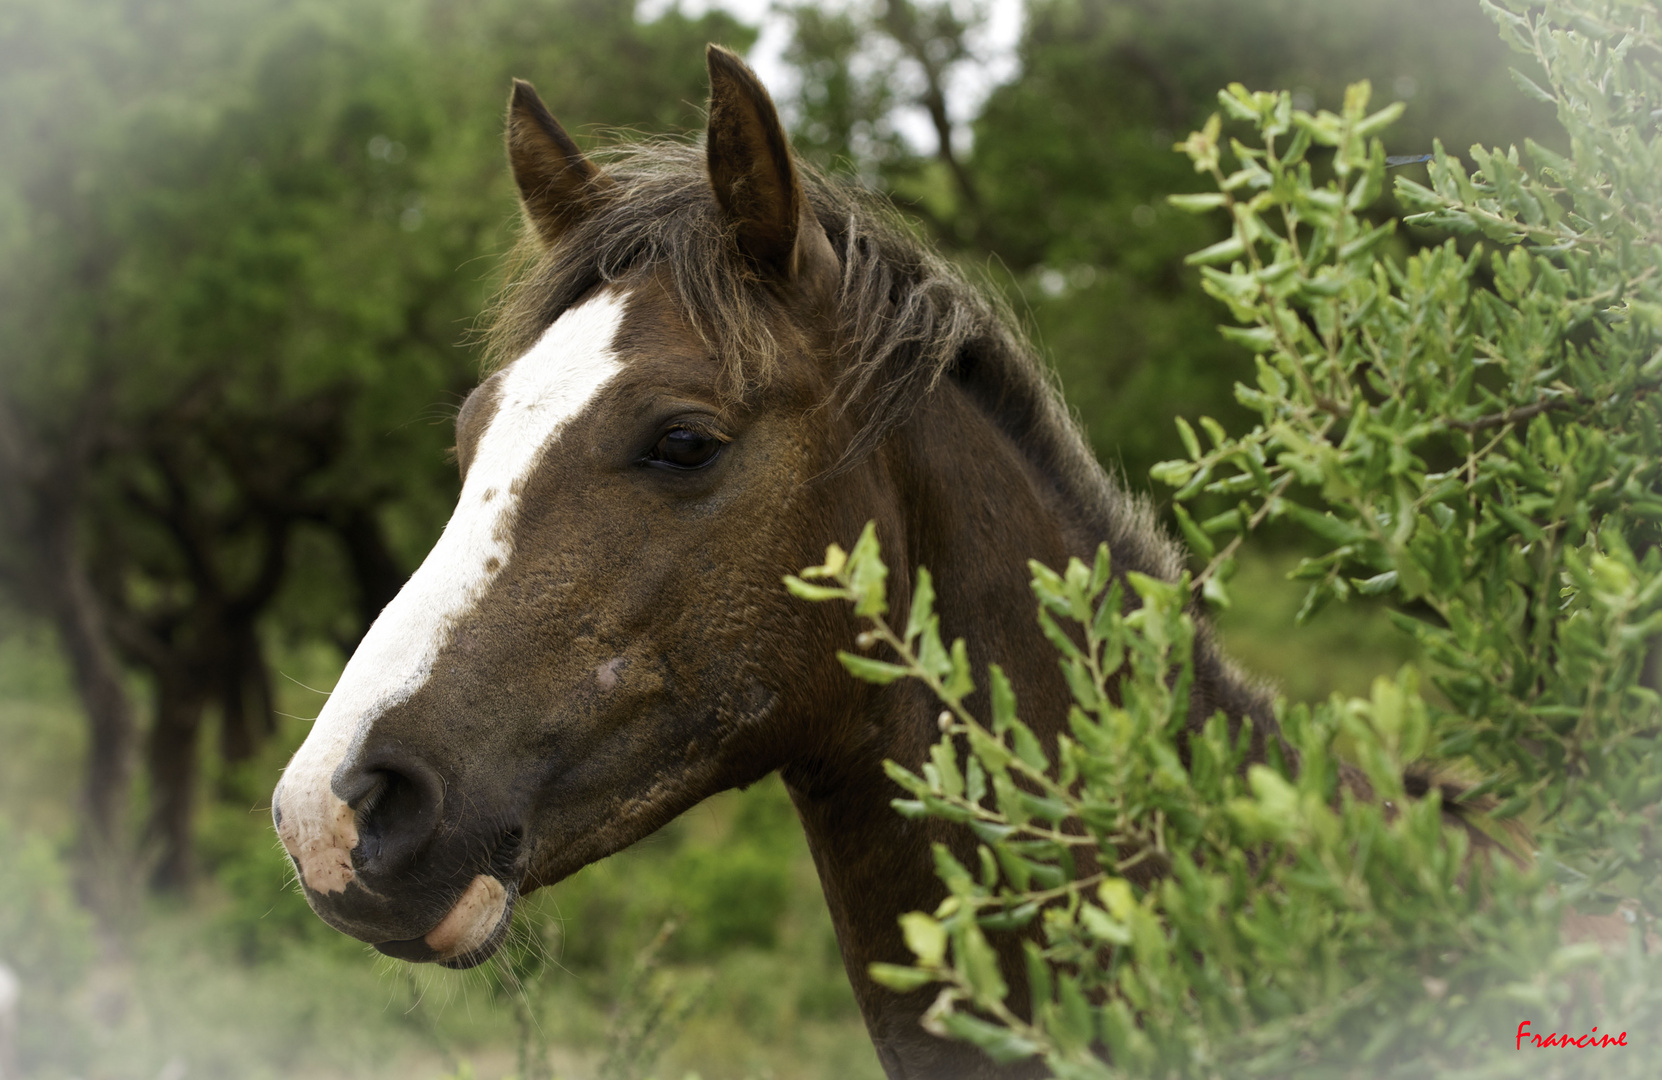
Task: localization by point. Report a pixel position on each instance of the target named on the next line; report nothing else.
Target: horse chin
(469, 934)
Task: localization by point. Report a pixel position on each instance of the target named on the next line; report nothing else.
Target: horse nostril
(396, 804)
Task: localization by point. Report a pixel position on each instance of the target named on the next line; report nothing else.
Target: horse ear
(557, 184)
(755, 178)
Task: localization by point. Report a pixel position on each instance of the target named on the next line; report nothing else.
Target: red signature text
(1591, 1039)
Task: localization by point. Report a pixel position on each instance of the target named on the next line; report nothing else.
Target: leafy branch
(1471, 435)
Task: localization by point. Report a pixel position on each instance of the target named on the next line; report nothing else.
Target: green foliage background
(241, 232)
(1483, 453)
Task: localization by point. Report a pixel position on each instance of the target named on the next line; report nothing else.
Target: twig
(1512, 416)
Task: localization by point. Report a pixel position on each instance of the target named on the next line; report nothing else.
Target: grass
(243, 982)
(41, 730)
(1342, 649)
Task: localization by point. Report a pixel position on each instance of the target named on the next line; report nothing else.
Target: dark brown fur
(924, 409)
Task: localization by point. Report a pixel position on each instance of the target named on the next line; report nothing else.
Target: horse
(712, 362)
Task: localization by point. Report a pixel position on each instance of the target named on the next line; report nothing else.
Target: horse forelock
(905, 319)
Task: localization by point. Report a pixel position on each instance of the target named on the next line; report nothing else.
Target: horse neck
(964, 501)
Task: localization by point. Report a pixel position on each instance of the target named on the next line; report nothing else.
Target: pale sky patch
(993, 46)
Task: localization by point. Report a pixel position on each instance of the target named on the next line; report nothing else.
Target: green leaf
(1367, 241)
(1102, 568)
(959, 684)
(925, 936)
(1377, 585)
(1325, 525)
(1199, 542)
(1258, 339)
(1003, 699)
(1073, 1018)
(1103, 926)
(873, 671)
(803, 590)
(867, 576)
(933, 658)
(1222, 251)
(1520, 524)
(923, 605)
(1173, 473)
(945, 760)
(1379, 121)
(1187, 433)
(1199, 203)
(1237, 102)
(1018, 869)
(999, 1043)
(1530, 87)
(1027, 746)
(951, 871)
(980, 965)
(1058, 637)
(898, 978)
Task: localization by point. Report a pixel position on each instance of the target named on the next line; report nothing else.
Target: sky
(994, 48)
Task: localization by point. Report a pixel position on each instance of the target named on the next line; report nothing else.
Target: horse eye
(686, 448)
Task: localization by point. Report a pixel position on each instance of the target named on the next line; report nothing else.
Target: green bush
(45, 938)
(45, 935)
(734, 896)
(1472, 434)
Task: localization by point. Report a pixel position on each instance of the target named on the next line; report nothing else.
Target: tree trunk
(245, 711)
(40, 494)
(173, 759)
(84, 635)
(377, 573)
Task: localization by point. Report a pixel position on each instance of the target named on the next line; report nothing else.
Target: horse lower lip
(469, 932)
(415, 950)
(476, 956)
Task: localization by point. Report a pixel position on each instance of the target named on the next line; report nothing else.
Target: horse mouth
(469, 934)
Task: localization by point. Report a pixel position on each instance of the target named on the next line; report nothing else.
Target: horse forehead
(558, 374)
(661, 347)
(656, 337)
(639, 326)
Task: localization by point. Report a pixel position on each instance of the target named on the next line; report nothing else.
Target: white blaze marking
(535, 397)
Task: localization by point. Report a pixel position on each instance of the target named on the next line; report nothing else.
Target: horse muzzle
(378, 860)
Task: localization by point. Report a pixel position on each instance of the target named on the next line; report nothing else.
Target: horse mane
(909, 318)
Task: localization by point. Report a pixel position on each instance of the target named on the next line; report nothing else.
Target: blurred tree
(70, 78)
(238, 247)
(846, 100)
(1064, 180)
(235, 294)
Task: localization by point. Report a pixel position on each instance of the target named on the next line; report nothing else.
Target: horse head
(599, 638)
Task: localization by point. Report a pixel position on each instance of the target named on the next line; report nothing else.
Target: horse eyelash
(701, 427)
